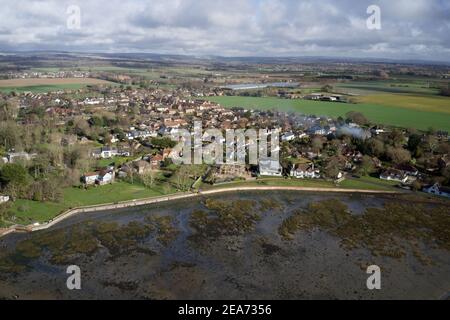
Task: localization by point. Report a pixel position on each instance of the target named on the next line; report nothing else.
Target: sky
(410, 29)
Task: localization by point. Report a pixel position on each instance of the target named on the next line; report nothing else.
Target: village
(100, 135)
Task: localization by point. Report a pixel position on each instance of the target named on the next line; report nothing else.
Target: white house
(270, 167)
(90, 178)
(105, 178)
(438, 190)
(15, 156)
(394, 175)
(4, 199)
(289, 136)
(305, 171)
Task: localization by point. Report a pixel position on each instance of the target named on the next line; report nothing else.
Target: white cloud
(410, 29)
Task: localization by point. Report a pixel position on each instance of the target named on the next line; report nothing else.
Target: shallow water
(256, 264)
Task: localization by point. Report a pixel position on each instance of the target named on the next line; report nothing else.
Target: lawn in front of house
(27, 211)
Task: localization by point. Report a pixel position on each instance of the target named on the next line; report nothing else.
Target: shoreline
(177, 196)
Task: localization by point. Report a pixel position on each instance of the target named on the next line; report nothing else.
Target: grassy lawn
(365, 183)
(118, 161)
(377, 113)
(28, 211)
(276, 182)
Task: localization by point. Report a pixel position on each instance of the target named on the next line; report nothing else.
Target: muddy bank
(253, 245)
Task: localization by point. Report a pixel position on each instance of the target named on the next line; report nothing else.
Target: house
(438, 190)
(156, 161)
(105, 177)
(270, 167)
(317, 130)
(329, 99)
(4, 199)
(394, 175)
(314, 96)
(90, 178)
(105, 153)
(17, 156)
(287, 137)
(408, 169)
(305, 171)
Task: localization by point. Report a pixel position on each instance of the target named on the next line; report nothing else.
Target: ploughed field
(253, 245)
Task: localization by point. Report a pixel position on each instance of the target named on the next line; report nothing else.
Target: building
(105, 153)
(287, 137)
(108, 153)
(438, 190)
(317, 131)
(408, 169)
(270, 167)
(394, 175)
(17, 156)
(156, 161)
(90, 178)
(305, 171)
(106, 177)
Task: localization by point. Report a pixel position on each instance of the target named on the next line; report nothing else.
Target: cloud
(418, 29)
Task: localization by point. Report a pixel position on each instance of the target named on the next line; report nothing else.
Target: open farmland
(430, 103)
(47, 85)
(389, 114)
(389, 86)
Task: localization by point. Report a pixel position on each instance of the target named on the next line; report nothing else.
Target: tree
(181, 178)
(357, 117)
(13, 173)
(414, 142)
(332, 168)
(163, 143)
(317, 145)
(367, 166)
(398, 155)
(376, 147)
(396, 138)
(149, 178)
(14, 179)
(432, 143)
(327, 88)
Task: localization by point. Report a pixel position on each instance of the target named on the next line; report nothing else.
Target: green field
(388, 86)
(27, 211)
(43, 88)
(388, 114)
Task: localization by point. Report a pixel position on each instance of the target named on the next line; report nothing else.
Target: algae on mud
(389, 231)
